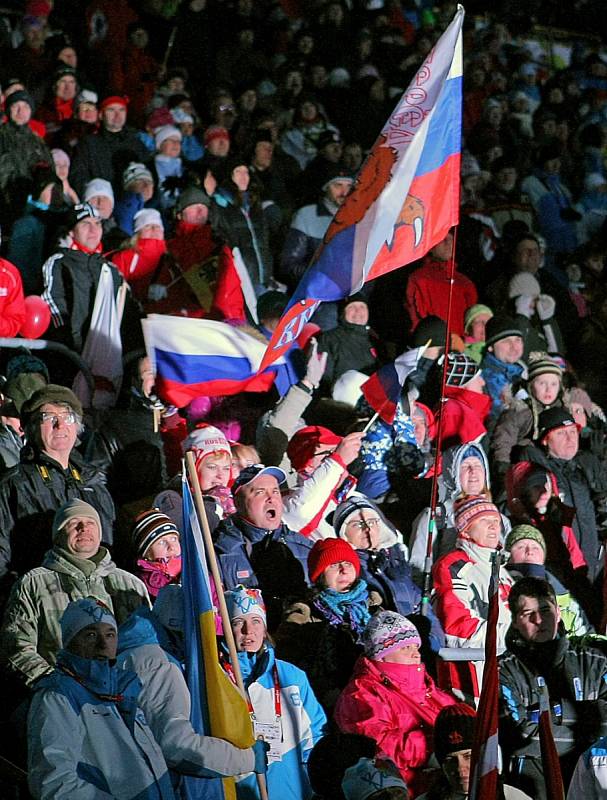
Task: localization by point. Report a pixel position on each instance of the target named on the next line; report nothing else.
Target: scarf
(156, 574)
(349, 608)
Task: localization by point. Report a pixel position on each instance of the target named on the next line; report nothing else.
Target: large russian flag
(194, 357)
(406, 196)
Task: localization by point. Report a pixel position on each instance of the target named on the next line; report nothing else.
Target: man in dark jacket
(254, 547)
(540, 659)
(107, 153)
(352, 344)
(50, 472)
(580, 476)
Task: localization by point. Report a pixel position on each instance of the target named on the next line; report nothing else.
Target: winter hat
(520, 532)
(180, 116)
(432, 329)
(332, 173)
(206, 440)
(158, 118)
(43, 175)
(63, 71)
(461, 369)
(15, 97)
(242, 600)
(114, 100)
(453, 730)
(60, 157)
(552, 418)
(521, 476)
(166, 132)
(52, 393)
(523, 283)
(501, 327)
(470, 508)
(473, 312)
(147, 216)
(364, 779)
(190, 197)
(270, 305)
(329, 551)
(300, 449)
(261, 135)
(541, 364)
(215, 132)
(388, 631)
(19, 389)
(98, 187)
(25, 362)
(86, 96)
(594, 181)
(344, 510)
(79, 614)
(248, 475)
(580, 396)
(74, 508)
(339, 78)
(346, 388)
(79, 212)
(150, 526)
(136, 172)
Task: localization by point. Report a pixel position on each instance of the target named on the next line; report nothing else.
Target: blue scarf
(349, 608)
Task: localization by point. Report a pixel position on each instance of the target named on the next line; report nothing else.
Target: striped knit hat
(540, 364)
(387, 631)
(470, 508)
(150, 526)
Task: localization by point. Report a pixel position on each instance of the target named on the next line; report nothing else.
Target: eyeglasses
(364, 524)
(226, 108)
(69, 418)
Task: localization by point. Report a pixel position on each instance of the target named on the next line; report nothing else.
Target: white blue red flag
(383, 389)
(405, 198)
(194, 357)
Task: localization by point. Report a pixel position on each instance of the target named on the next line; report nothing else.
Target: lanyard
(276, 689)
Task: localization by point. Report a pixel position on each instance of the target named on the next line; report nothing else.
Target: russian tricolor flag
(406, 195)
(194, 357)
(383, 389)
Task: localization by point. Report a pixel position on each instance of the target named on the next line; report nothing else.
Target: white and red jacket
(460, 600)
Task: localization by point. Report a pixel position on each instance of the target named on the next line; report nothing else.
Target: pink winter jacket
(395, 704)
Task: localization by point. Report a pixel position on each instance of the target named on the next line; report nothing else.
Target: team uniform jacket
(81, 744)
(31, 633)
(589, 780)
(166, 703)
(302, 722)
(461, 601)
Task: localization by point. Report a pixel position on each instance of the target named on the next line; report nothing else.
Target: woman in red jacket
(392, 699)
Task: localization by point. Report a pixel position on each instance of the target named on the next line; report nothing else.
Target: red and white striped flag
(484, 759)
(550, 758)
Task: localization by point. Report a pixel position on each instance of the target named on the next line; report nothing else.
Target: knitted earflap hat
(541, 364)
(330, 551)
(520, 532)
(470, 508)
(150, 526)
(461, 369)
(388, 631)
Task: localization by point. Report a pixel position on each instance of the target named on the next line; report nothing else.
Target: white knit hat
(147, 216)
(166, 132)
(98, 187)
(207, 440)
(136, 172)
(523, 284)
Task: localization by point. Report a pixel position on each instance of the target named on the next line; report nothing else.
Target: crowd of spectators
(186, 158)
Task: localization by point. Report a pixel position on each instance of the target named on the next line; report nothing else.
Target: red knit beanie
(329, 551)
(303, 444)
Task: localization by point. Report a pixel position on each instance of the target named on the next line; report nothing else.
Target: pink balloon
(37, 317)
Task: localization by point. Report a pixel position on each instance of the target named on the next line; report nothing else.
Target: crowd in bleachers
(186, 159)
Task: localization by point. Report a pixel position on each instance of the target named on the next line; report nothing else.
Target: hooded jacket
(518, 425)
(397, 705)
(166, 703)
(302, 723)
(31, 633)
(88, 738)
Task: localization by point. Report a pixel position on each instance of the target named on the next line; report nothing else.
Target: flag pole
(223, 609)
(427, 577)
(214, 569)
